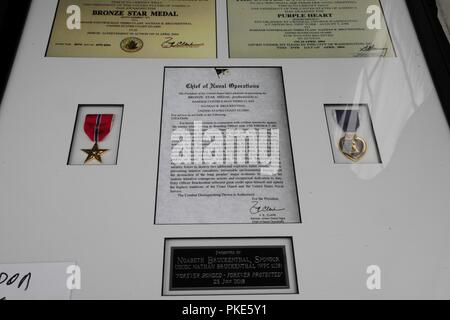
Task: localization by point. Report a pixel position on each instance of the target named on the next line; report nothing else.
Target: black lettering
(26, 278)
(3, 277)
(12, 279)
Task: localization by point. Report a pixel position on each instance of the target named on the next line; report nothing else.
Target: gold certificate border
(58, 8)
(229, 36)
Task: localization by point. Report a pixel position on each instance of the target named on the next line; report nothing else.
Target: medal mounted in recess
(97, 127)
(351, 145)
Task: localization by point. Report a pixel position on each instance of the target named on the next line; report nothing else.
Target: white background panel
(395, 215)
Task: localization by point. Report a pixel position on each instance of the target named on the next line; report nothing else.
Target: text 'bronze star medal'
(97, 127)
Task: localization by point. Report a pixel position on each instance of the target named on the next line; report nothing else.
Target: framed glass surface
(388, 210)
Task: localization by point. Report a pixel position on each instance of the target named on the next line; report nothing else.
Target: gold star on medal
(94, 154)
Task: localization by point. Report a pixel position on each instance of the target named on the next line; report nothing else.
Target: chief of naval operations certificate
(307, 29)
(225, 150)
(134, 28)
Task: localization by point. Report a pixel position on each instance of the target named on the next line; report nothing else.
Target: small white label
(36, 281)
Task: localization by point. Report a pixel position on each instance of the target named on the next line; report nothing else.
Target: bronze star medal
(94, 154)
(97, 127)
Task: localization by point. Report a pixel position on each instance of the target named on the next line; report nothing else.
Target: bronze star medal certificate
(225, 148)
(308, 29)
(134, 29)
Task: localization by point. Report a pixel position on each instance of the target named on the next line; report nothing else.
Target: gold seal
(131, 44)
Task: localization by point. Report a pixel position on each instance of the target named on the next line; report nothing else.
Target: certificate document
(225, 148)
(308, 29)
(134, 28)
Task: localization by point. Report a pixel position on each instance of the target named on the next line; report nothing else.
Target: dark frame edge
(11, 29)
(435, 47)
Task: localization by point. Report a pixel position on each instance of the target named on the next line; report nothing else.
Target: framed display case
(224, 149)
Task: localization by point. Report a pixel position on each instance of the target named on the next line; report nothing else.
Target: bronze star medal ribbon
(352, 147)
(97, 127)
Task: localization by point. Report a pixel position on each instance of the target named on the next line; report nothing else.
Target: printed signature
(370, 48)
(258, 208)
(171, 43)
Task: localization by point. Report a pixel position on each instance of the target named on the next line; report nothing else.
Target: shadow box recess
(394, 214)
